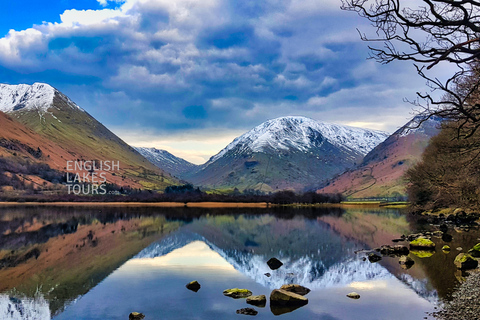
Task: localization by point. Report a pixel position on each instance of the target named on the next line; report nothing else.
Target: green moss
(237, 293)
(446, 248)
(422, 243)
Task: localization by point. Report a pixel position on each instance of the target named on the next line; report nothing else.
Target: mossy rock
(136, 316)
(237, 293)
(464, 261)
(425, 244)
(446, 249)
(475, 251)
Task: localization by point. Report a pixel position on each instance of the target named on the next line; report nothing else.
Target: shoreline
(143, 204)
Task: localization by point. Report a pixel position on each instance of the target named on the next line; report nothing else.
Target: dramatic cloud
(166, 67)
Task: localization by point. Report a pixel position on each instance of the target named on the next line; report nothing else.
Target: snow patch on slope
(300, 133)
(38, 96)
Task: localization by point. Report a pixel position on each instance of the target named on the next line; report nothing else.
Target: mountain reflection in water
(103, 263)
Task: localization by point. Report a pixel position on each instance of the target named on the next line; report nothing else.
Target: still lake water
(104, 262)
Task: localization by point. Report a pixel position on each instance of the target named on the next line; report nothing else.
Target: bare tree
(431, 33)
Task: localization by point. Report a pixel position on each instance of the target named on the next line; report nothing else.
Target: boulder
(260, 301)
(406, 262)
(285, 298)
(248, 311)
(274, 263)
(464, 261)
(136, 316)
(194, 286)
(353, 295)
(422, 243)
(372, 257)
(295, 288)
(237, 293)
(475, 251)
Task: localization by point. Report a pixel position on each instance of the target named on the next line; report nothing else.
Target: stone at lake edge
(475, 251)
(194, 286)
(423, 244)
(237, 293)
(247, 311)
(285, 298)
(406, 262)
(353, 295)
(464, 261)
(295, 288)
(372, 257)
(274, 263)
(260, 300)
(136, 316)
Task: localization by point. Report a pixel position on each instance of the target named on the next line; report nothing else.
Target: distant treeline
(185, 193)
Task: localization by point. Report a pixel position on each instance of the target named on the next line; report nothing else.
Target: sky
(189, 76)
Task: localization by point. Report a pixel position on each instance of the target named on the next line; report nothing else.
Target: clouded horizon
(189, 76)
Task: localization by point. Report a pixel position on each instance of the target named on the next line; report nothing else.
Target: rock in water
(353, 295)
(260, 301)
(248, 311)
(268, 274)
(372, 257)
(274, 263)
(475, 251)
(136, 316)
(465, 261)
(194, 286)
(422, 243)
(237, 293)
(406, 262)
(295, 288)
(285, 298)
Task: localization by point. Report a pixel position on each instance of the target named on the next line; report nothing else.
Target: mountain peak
(38, 96)
(300, 133)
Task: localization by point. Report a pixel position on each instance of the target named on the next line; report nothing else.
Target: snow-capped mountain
(300, 133)
(59, 130)
(287, 152)
(166, 161)
(38, 97)
(381, 171)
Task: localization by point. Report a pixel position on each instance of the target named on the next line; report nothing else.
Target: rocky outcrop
(194, 286)
(295, 288)
(465, 261)
(260, 301)
(285, 298)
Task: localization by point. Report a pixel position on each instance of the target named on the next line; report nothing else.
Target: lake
(105, 262)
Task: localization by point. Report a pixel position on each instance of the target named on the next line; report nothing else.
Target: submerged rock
(464, 261)
(268, 274)
(353, 295)
(422, 243)
(446, 249)
(237, 293)
(295, 288)
(285, 298)
(259, 301)
(475, 251)
(194, 286)
(136, 316)
(247, 311)
(274, 263)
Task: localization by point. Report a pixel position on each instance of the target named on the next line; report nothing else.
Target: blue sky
(190, 75)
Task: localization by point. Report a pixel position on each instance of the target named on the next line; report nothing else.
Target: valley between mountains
(41, 129)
